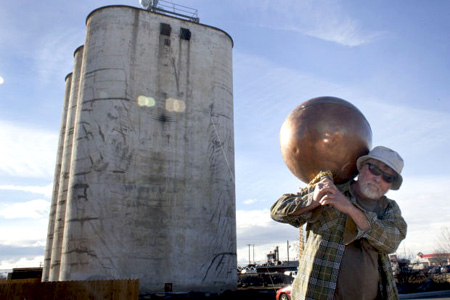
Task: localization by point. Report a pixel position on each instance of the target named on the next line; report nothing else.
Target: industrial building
(144, 180)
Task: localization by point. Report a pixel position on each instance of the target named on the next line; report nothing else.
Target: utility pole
(254, 253)
(288, 251)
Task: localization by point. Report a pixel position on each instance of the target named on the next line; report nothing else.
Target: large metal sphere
(324, 133)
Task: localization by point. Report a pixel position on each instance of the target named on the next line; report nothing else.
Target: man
(351, 229)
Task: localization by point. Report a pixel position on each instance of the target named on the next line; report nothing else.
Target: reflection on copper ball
(325, 133)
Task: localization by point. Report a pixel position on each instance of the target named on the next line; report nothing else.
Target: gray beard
(371, 190)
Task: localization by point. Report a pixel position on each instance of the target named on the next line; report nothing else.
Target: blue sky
(389, 58)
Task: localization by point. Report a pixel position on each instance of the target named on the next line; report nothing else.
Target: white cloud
(424, 205)
(253, 219)
(43, 190)
(268, 93)
(54, 57)
(34, 209)
(252, 201)
(50, 48)
(257, 229)
(325, 20)
(22, 262)
(30, 153)
(22, 243)
(345, 32)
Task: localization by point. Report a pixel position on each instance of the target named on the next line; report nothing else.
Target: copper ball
(325, 133)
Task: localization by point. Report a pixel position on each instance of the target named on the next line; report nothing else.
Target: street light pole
(288, 251)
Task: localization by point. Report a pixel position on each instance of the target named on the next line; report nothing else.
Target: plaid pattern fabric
(325, 226)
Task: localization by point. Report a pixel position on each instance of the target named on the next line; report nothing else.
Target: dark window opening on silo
(185, 34)
(164, 29)
(167, 42)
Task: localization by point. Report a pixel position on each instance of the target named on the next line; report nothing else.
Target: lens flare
(1, 80)
(175, 105)
(146, 101)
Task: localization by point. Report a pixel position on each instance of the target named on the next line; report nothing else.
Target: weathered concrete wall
(66, 156)
(151, 192)
(53, 206)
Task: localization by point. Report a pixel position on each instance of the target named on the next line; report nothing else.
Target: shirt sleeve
(386, 232)
(282, 209)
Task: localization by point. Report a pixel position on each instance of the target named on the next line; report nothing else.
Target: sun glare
(1, 80)
(175, 105)
(146, 101)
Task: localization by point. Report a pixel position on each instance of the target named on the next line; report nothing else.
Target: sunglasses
(388, 178)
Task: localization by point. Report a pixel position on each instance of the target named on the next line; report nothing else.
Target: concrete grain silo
(55, 193)
(150, 183)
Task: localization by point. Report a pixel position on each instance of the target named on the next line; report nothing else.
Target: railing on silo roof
(171, 8)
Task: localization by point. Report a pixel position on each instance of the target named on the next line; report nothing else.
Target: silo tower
(144, 181)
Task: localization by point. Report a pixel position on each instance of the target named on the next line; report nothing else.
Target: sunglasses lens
(377, 172)
(374, 170)
(388, 178)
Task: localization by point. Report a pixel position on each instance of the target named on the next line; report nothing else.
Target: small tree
(443, 246)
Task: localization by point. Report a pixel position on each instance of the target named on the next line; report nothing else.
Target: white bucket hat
(387, 156)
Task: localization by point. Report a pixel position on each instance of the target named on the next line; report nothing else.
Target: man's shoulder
(389, 205)
(390, 201)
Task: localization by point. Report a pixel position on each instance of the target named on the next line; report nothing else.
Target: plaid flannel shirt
(326, 237)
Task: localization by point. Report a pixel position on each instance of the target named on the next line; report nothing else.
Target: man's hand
(326, 193)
